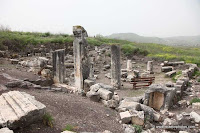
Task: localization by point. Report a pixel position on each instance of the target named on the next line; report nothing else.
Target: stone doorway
(156, 100)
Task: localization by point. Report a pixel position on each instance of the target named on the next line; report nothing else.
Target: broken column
(150, 67)
(58, 66)
(81, 61)
(129, 65)
(115, 66)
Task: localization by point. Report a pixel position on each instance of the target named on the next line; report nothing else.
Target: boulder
(19, 109)
(128, 128)
(112, 103)
(125, 117)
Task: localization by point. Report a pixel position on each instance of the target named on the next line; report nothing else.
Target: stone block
(125, 117)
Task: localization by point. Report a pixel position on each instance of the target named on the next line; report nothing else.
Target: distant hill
(175, 41)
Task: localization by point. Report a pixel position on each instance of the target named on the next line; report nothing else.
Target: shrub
(195, 100)
(48, 120)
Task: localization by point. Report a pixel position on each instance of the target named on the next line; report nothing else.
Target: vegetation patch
(69, 127)
(195, 100)
(176, 76)
(138, 128)
(48, 120)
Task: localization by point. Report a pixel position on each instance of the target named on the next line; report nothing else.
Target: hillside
(173, 41)
(23, 41)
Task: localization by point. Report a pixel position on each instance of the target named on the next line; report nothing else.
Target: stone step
(18, 109)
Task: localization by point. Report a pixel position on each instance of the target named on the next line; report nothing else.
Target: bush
(48, 120)
(176, 76)
(195, 100)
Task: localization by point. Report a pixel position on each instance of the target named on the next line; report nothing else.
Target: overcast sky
(162, 18)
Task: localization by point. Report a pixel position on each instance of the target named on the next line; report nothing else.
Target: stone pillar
(58, 66)
(150, 67)
(81, 61)
(115, 66)
(129, 65)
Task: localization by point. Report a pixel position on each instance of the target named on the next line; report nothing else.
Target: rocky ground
(86, 115)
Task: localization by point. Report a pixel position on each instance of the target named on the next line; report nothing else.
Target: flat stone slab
(19, 109)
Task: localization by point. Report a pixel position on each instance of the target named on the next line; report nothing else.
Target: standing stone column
(129, 65)
(115, 66)
(58, 66)
(81, 61)
(150, 67)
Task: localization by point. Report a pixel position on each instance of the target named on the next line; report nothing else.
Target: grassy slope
(163, 52)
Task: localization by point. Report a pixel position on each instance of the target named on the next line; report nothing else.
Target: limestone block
(125, 105)
(105, 94)
(19, 109)
(195, 117)
(138, 117)
(196, 105)
(170, 74)
(166, 69)
(94, 96)
(125, 117)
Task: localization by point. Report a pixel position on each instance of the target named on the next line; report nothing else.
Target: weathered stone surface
(133, 99)
(166, 69)
(128, 128)
(196, 105)
(14, 61)
(194, 116)
(3, 88)
(94, 96)
(126, 105)
(58, 66)
(112, 103)
(81, 60)
(115, 66)
(170, 74)
(150, 67)
(87, 84)
(6, 130)
(129, 65)
(125, 117)
(137, 117)
(105, 94)
(159, 96)
(19, 109)
(170, 122)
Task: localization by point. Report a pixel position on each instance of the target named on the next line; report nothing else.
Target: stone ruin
(81, 60)
(159, 97)
(19, 109)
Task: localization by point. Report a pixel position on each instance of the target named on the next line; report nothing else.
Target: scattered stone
(56, 89)
(196, 105)
(182, 103)
(128, 128)
(94, 96)
(125, 105)
(107, 75)
(105, 94)
(150, 67)
(6, 130)
(112, 103)
(14, 61)
(169, 122)
(88, 83)
(169, 84)
(3, 88)
(106, 66)
(37, 86)
(125, 117)
(130, 77)
(19, 109)
(137, 117)
(194, 116)
(166, 69)
(170, 74)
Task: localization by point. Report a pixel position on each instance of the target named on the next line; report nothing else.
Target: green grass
(176, 76)
(195, 100)
(138, 128)
(196, 73)
(69, 127)
(21, 40)
(48, 120)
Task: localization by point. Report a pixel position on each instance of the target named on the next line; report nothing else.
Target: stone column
(129, 65)
(81, 61)
(58, 66)
(150, 67)
(115, 66)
